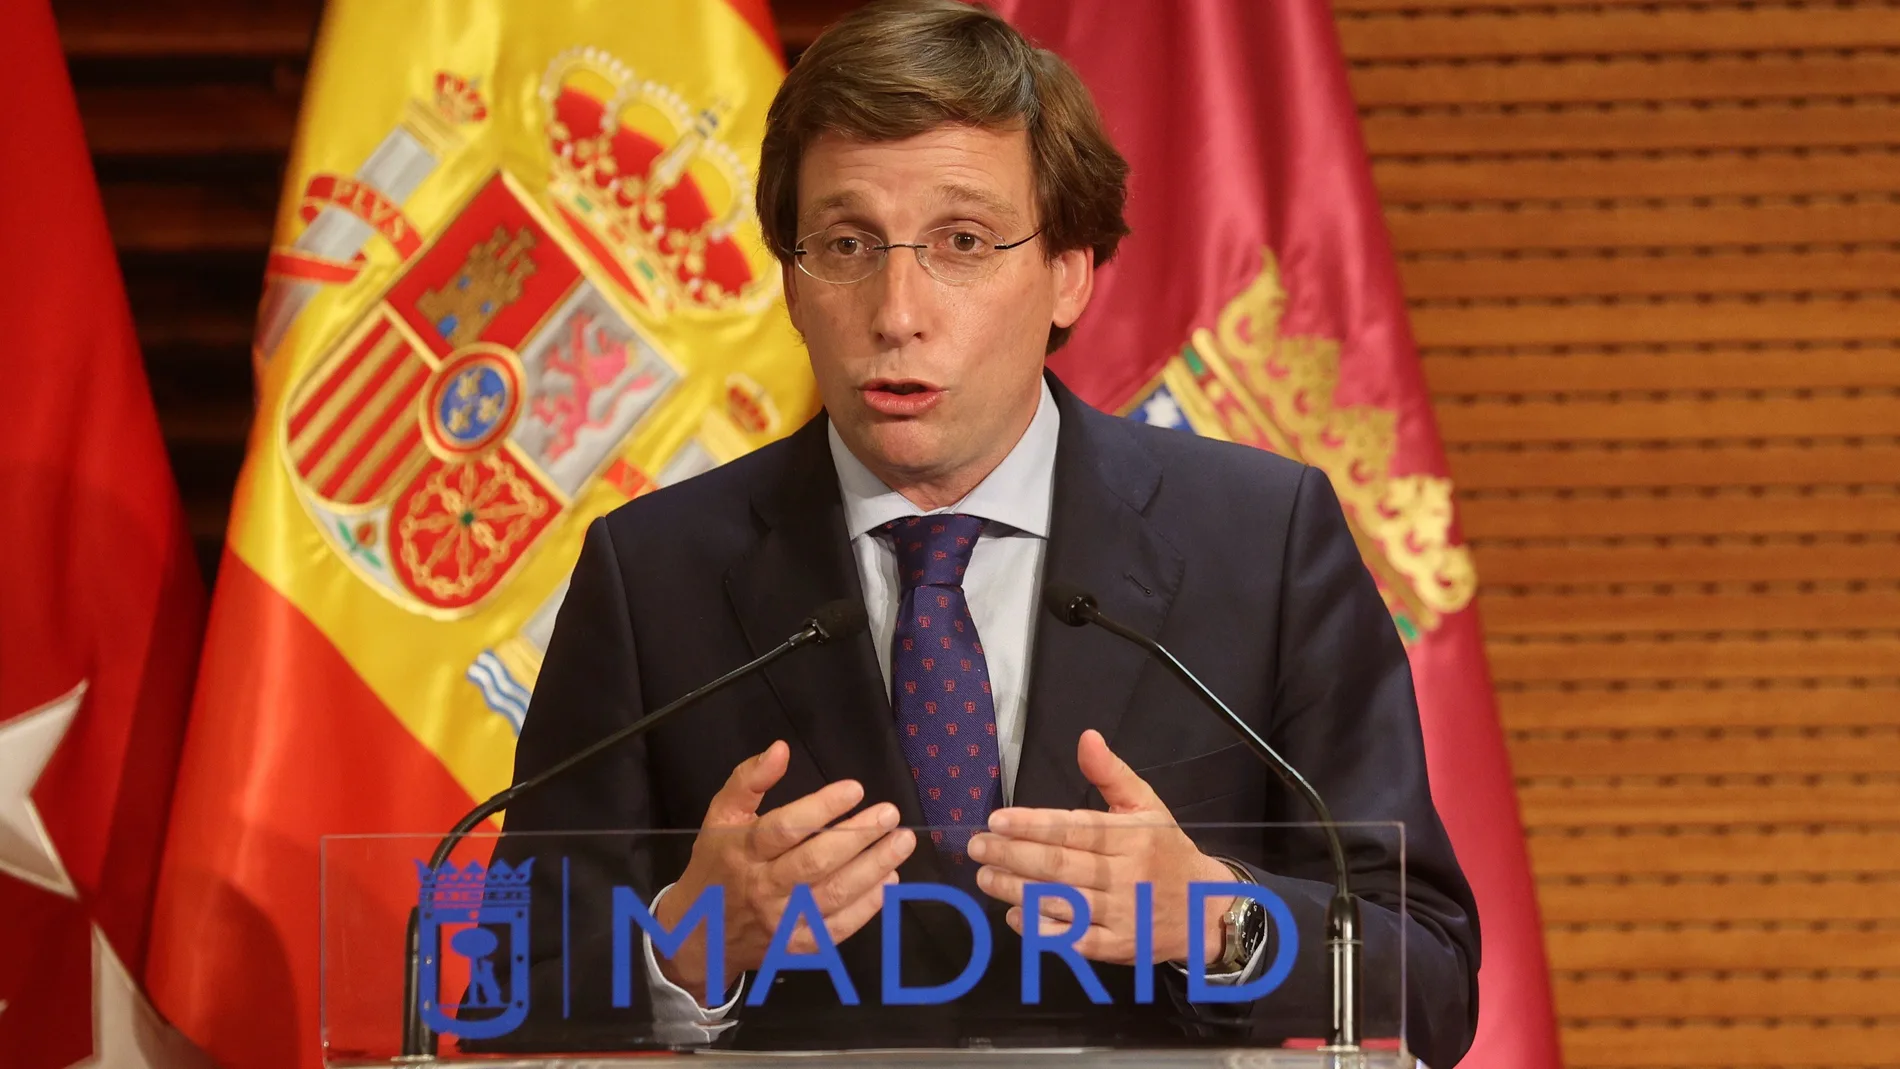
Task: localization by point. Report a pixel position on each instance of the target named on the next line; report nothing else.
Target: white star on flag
(126, 1032)
(27, 743)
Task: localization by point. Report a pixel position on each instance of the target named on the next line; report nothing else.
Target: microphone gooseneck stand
(832, 621)
(1077, 608)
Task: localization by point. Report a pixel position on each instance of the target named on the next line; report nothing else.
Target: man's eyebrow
(982, 198)
(955, 193)
(843, 199)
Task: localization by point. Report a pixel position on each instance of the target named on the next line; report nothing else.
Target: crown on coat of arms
(450, 890)
(646, 182)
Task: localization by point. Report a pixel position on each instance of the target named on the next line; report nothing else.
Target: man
(940, 193)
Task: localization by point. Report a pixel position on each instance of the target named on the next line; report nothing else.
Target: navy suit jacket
(1238, 560)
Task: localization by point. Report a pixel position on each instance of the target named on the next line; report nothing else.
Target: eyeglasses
(961, 253)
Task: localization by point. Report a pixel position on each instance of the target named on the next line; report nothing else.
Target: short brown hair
(899, 68)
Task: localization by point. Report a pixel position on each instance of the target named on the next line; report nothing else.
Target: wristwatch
(1243, 927)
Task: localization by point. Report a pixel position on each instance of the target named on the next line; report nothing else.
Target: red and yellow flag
(516, 281)
(1258, 301)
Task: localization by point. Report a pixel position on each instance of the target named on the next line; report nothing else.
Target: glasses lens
(839, 254)
(960, 253)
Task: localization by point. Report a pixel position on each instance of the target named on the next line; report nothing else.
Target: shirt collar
(1017, 493)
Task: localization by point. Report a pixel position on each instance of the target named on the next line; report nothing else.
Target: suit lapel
(833, 694)
(1101, 540)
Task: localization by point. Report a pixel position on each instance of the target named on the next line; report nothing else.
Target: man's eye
(964, 241)
(845, 246)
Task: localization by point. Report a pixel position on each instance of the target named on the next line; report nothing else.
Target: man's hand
(1104, 855)
(758, 859)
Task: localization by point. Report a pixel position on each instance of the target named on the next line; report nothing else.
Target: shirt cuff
(1240, 975)
(678, 1018)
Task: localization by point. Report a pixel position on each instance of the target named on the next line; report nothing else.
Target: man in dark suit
(940, 193)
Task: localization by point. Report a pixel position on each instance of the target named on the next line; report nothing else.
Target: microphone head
(1068, 602)
(843, 618)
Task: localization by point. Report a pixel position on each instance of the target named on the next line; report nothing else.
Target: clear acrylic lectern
(548, 950)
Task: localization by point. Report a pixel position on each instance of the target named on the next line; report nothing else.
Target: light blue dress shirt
(1003, 580)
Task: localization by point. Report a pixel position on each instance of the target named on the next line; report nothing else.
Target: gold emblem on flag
(506, 366)
(1246, 382)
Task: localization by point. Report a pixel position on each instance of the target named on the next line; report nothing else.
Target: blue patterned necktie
(940, 684)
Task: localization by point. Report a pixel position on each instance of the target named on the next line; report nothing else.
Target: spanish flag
(517, 280)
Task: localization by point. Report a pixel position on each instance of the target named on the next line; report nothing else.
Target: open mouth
(899, 387)
(901, 397)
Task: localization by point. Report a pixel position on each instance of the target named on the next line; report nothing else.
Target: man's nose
(903, 295)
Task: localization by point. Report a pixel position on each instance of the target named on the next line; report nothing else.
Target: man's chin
(908, 449)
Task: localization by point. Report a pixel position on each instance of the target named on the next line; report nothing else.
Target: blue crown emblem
(485, 913)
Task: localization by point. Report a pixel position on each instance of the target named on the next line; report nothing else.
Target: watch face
(1253, 928)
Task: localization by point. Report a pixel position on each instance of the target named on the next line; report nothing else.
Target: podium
(542, 950)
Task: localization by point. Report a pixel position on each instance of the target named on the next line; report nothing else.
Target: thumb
(1124, 791)
(745, 789)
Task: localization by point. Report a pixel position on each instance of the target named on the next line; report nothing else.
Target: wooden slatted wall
(1653, 253)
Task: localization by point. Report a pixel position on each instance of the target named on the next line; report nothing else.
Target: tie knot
(933, 550)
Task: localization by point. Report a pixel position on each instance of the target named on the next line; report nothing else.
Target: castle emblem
(489, 280)
(1246, 382)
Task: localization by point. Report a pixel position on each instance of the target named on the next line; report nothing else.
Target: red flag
(1258, 300)
(100, 600)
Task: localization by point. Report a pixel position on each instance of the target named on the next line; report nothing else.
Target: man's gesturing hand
(1103, 855)
(758, 859)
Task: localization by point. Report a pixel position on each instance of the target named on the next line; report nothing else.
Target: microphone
(1076, 607)
(830, 622)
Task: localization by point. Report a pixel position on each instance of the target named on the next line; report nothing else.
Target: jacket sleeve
(1345, 715)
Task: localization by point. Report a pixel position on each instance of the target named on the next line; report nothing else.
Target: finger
(795, 821)
(867, 838)
(1080, 829)
(1043, 862)
(866, 871)
(1006, 886)
(845, 923)
(739, 799)
(1124, 791)
(1095, 944)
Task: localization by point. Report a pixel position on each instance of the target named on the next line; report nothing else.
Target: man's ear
(1074, 273)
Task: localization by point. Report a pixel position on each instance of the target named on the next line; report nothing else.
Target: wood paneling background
(1653, 255)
